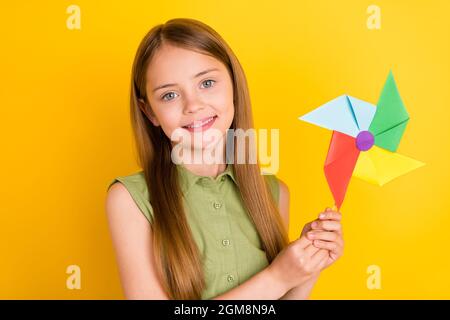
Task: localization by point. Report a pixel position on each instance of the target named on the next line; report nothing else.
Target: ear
(148, 112)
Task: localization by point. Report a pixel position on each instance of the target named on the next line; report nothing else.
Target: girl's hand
(326, 233)
(297, 263)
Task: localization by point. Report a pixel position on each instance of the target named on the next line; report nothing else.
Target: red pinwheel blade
(341, 160)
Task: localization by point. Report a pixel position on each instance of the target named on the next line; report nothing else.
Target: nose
(193, 104)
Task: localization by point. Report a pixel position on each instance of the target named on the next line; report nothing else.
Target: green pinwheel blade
(391, 117)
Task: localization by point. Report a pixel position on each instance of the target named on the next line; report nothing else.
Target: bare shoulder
(284, 189)
(121, 208)
(283, 204)
(118, 198)
(131, 235)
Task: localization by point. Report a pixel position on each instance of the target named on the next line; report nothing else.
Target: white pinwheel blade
(364, 112)
(342, 114)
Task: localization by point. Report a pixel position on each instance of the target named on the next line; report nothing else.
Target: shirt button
(230, 278)
(225, 242)
(217, 205)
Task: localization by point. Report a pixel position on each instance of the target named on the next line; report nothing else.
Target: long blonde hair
(178, 261)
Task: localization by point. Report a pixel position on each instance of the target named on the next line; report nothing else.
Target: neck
(210, 170)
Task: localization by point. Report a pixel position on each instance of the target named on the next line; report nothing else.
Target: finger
(322, 263)
(303, 242)
(328, 225)
(328, 245)
(317, 258)
(323, 235)
(339, 241)
(310, 250)
(307, 227)
(330, 215)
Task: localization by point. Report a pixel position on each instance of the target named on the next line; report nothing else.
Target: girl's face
(188, 91)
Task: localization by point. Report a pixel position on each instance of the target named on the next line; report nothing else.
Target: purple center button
(364, 140)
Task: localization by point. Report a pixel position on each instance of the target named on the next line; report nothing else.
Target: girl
(203, 231)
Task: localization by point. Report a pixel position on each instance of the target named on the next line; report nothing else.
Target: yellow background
(66, 134)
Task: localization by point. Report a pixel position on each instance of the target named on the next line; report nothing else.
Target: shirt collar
(188, 179)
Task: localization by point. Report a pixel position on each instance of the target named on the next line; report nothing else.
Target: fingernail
(311, 234)
(322, 215)
(314, 224)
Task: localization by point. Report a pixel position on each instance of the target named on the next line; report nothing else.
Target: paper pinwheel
(365, 139)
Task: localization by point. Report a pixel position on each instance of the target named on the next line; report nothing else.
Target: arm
(300, 292)
(131, 236)
(132, 240)
(255, 288)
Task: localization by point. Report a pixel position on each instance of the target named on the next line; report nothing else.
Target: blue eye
(171, 95)
(167, 94)
(210, 81)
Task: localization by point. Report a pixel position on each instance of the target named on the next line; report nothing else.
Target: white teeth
(200, 124)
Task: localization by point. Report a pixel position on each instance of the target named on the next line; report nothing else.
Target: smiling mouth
(202, 124)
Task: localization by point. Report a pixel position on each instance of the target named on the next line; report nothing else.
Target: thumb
(303, 242)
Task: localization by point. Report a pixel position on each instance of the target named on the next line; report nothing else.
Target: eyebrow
(196, 76)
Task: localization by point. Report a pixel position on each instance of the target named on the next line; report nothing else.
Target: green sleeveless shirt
(222, 229)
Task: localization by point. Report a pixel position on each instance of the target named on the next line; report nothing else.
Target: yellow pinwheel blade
(379, 166)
